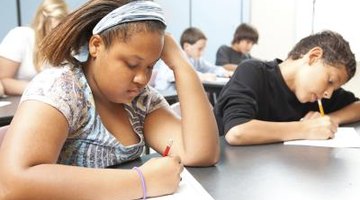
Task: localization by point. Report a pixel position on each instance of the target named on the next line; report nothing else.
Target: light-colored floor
(354, 84)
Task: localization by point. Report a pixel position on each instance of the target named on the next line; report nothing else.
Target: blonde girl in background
(19, 55)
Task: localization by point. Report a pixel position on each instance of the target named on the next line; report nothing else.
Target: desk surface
(281, 172)
(277, 171)
(7, 112)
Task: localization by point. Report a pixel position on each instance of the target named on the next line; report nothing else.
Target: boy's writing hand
(311, 115)
(316, 127)
(162, 175)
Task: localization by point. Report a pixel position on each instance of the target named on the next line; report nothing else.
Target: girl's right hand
(162, 175)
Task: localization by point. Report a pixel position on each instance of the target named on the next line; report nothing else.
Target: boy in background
(193, 42)
(245, 37)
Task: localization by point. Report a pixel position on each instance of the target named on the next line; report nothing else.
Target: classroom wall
(8, 12)
(276, 27)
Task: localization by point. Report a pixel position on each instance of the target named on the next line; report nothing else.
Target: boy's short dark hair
(191, 35)
(336, 50)
(245, 32)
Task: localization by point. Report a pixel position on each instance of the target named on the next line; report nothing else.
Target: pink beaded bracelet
(143, 185)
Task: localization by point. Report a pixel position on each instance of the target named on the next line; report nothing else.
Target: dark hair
(76, 29)
(336, 50)
(245, 32)
(191, 35)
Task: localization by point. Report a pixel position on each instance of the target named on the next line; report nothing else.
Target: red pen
(167, 149)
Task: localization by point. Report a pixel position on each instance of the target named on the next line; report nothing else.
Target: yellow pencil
(321, 107)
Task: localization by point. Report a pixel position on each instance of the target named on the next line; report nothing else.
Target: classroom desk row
(281, 172)
(213, 88)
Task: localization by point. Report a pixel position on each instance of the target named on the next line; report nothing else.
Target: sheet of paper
(189, 188)
(222, 80)
(4, 103)
(344, 137)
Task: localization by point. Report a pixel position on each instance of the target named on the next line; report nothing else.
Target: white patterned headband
(130, 12)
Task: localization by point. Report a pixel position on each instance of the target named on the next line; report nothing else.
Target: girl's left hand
(172, 53)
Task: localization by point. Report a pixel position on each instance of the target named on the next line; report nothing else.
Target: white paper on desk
(189, 188)
(222, 80)
(344, 137)
(4, 103)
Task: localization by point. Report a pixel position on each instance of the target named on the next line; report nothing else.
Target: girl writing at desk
(102, 112)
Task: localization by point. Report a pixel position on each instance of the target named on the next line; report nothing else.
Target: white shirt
(18, 46)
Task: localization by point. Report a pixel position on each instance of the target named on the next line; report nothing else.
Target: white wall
(275, 21)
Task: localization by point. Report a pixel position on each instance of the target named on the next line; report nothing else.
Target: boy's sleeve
(237, 103)
(339, 99)
(208, 67)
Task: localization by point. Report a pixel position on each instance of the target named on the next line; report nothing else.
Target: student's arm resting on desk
(261, 132)
(195, 135)
(312, 126)
(28, 166)
(348, 114)
(8, 69)
(316, 127)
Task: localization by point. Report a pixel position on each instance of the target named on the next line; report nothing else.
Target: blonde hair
(47, 12)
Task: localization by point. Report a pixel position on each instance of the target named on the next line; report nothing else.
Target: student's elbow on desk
(202, 161)
(236, 136)
(203, 157)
